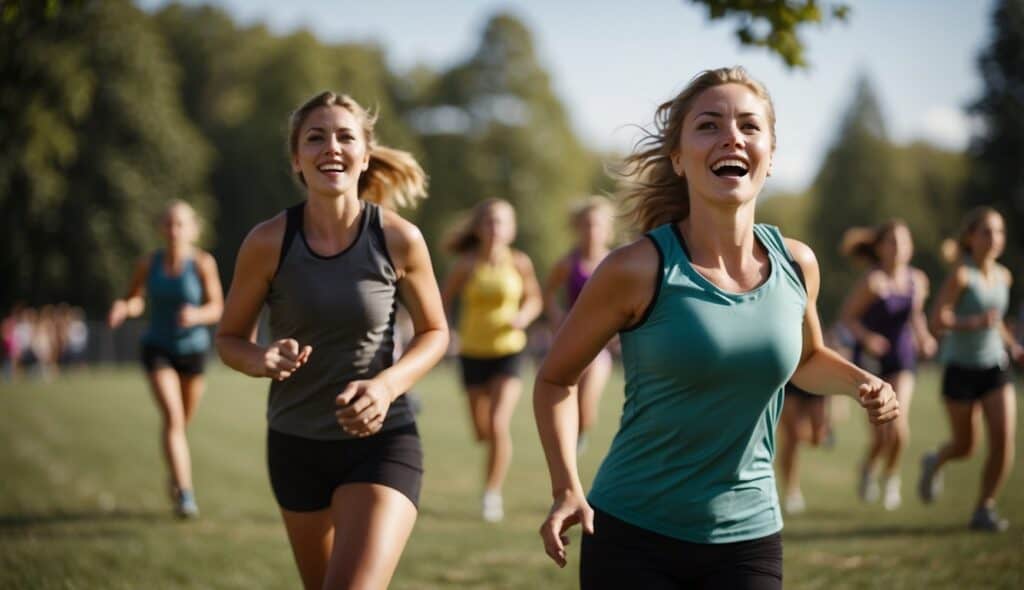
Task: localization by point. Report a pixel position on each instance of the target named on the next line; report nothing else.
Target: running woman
(885, 314)
(343, 451)
(715, 313)
(182, 287)
(968, 312)
(593, 222)
(498, 298)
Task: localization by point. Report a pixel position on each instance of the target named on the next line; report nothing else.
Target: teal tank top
(984, 348)
(705, 370)
(166, 295)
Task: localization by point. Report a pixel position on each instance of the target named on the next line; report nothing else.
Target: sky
(612, 63)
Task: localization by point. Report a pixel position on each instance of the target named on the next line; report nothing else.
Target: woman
(342, 446)
(592, 221)
(968, 312)
(885, 314)
(182, 286)
(713, 319)
(499, 297)
(804, 420)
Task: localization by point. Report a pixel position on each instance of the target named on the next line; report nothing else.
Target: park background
(108, 109)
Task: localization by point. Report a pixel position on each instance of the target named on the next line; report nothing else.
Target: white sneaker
(493, 510)
(867, 487)
(795, 503)
(892, 499)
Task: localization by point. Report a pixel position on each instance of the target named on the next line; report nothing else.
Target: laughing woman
(342, 446)
(715, 313)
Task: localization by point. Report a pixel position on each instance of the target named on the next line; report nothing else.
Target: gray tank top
(344, 307)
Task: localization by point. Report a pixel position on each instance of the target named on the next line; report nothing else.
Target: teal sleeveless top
(167, 294)
(705, 370)
(984, 348)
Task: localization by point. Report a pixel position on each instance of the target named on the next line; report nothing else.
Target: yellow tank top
(490, 300)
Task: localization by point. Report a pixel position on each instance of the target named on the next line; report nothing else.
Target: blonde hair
(463, 238)
(197, 222)
(591, 203)
(953, 250)
(393, 177)
(654, 194)
(862, 242)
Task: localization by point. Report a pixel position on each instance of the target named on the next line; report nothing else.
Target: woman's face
(332, 151)
(989, 237)
(896, 247)
(594, 226)
(497, 225)
(725, 148)
(178, 226)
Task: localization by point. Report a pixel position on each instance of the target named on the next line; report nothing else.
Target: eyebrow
(719, 115)
(322, 130)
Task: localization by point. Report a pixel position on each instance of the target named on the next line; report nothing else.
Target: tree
(94, 143)
(997, 153)
(494, 127)
(773, 24)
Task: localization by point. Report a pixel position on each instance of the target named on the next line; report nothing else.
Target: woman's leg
(167, 391)
(480, 411)
(1001, 418)
(898, 434)
(311, 535)
(372, 524)
(505, 392)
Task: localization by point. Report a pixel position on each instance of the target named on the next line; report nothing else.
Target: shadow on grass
(878, 532)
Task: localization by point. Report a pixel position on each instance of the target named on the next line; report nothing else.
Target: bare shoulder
(262, 246)
(802, 253)
(522, 260)
(1007, 275)
(637, 261)
(401, 234)
(205, 259)
(919, 277)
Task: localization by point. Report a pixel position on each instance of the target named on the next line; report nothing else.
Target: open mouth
(730, 167)
(331, 168)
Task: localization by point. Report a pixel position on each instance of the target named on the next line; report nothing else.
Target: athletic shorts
(798, 393)
(154, 357)
(478, 371)
(963, 384)
(305, 472)
(620, 555)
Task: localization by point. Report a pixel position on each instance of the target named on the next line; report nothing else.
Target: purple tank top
(577, 276)
(889, 316)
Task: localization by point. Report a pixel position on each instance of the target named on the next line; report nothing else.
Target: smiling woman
(715, 314)
(342, 446)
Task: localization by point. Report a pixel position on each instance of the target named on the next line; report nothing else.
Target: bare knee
(960, 449)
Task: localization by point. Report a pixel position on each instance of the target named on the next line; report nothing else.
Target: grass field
(82, 500)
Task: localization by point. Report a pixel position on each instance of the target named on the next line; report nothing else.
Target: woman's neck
(493, 251)
(327, 216)
(722, 238)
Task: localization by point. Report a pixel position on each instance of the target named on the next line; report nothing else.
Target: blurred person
(180, 285)
(499, 297)
(593, 224)
(804, 421)
(884, 313)
(75, 336)
(343, 451)
(977, 350)
(715, 314)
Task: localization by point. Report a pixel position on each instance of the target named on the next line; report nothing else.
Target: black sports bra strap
(292, 225)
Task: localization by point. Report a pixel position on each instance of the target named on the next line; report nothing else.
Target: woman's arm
(417, 288)
(213, 304)
(822, 370)
(553, 286)
(1015, 348)
(134, 303)
(926, 344)
(532, 304)
(864, 293)
(236, 334)
(613, 298)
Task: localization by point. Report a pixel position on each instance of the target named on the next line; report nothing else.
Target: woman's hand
(879, 399)
(363, 405)
(284, 357)
(928, 347)
(568, 509)
(118, 313)
(188, 316)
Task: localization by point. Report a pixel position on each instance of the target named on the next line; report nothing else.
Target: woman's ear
(677, 163)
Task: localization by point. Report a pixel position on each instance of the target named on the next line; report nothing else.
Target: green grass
(83, 501)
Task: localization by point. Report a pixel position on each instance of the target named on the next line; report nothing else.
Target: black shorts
(963, 384)
(478, 371)
(154, 357)
(620, 555)
(803, 394)
(305, 472)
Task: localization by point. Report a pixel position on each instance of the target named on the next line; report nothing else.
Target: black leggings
(620, 555)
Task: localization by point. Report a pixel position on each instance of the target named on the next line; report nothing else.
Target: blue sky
(613, 62)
